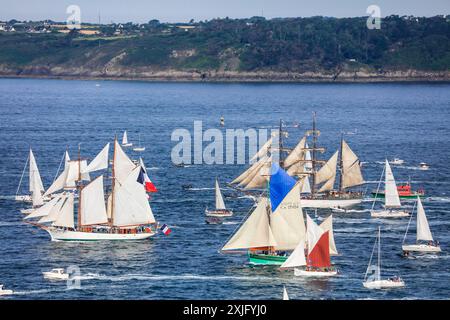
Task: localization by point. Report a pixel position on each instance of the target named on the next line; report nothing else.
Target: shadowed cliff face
(301, 49)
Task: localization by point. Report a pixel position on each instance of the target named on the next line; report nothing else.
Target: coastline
(410, 76)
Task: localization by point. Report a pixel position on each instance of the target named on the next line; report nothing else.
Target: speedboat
(389, 213)
(4, 292)
(424, 166)
(397, 161)
(395, 282)
(56, 274)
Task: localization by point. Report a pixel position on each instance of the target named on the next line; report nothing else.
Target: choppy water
(405, 120)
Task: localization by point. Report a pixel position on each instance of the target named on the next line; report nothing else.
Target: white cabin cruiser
(56, 274)
(4, 292)
(397, 161)
(424, 166)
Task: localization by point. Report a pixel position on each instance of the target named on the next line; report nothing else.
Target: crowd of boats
(115, 204)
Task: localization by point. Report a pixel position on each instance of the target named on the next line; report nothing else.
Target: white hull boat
(27, 211)
(5, 292)
(127, 145)
(397, 161)
(56, 274)
(219, 213)
(389, 213)
(139, 149)
(384, 284)
(329, 203)
(67, 235)
(421, 248)
(318, 274)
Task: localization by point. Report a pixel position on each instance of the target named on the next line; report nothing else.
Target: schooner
(126, 215)
(36, 188)
(303, 162)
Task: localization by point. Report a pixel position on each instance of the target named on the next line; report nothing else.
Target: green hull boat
(411, 196)
(266, 259)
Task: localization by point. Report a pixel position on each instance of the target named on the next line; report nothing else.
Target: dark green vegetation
(316, 44)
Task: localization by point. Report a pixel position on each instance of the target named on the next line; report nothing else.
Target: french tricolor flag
(145, 181)
(165, 229)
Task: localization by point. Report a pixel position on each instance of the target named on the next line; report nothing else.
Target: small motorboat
(424, 166)
(4, 292)
(397, 161)
(186, 186)
(56, 274)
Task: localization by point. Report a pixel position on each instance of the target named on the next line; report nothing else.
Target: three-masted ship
(318, 189)
(125, 215)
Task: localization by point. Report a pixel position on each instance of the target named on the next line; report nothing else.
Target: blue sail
(280, 185)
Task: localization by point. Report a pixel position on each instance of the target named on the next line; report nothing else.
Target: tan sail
(327, 173)
(247, 172)
(255, 232)
(287, 222)
(327, 225)
(351, 169)
(263, 151)
(297, 155)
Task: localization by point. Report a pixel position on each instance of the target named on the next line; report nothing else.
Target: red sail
(319, 257)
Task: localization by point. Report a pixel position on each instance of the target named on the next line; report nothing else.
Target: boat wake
(438, 199)
(186, 277)
(4, 197)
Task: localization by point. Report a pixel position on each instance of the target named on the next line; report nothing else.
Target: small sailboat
(317, 263)
(36, 187)
(424, 166)
(221, 211)
(139, 148)
(424, 238)
(56, 274)
(374, 281)
(392, 204)
(5, 292)
(125, 142)
(285, 294)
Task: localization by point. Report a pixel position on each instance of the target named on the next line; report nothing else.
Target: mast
(379, 253)
(314, 133)
(79, 186)
(341, 165)
(280, 137)
(113, 182)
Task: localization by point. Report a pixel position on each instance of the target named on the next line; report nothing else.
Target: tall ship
(125, 214)
(318, 189)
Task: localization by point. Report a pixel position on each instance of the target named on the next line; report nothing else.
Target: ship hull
(411, 196)
(421, 248)
(66, 235)
(329, 203)
(389, 214)
(383, 284)
(265, 259)
(319, 274)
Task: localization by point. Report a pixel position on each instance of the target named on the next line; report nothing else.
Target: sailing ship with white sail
(125, 142)
(276, 226)
(372, 278)
(125, 216)
(424, 238)
(302, 162)
(139, 148)
(221, 211)
(317, 262)
(392, 204)
(35, 186)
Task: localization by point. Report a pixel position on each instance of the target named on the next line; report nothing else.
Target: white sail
(255, 232)
(423, 229)
(44, 210)
(131, 205)
(351, 168)
(93, 210)
(285, 294)
(54, 211)
(73, 173)
(59, 183)
(125, 138)
(34, 175)
(297, 257)
(220, 204)
(65, 217)
(327, 225)
(287, 223)
(306, 187)
(100, 162)
(392, 200)
(327, 173)
(297, 155)
(314, 232)
(37, 199)
(123, 166)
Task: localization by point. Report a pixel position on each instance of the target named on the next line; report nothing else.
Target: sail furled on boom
(327, 174)
(351, 168)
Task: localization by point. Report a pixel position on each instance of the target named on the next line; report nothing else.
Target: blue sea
(409, 121)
